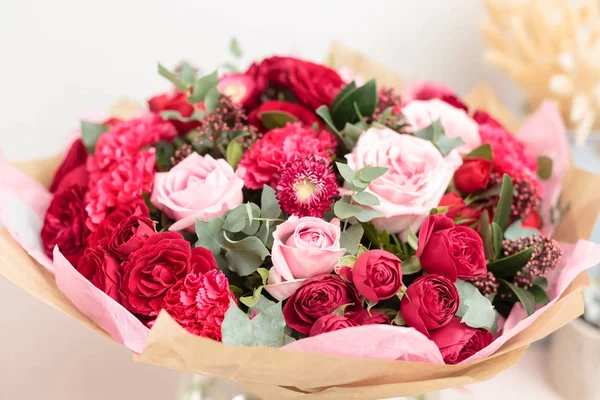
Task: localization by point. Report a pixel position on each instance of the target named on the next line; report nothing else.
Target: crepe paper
(15, 183)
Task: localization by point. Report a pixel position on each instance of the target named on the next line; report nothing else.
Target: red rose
(458, 210)
(450, 250)
(312, 84)
(319, 296)
(429, 303)
(433, 90)
(130, 235)
(305, 115)
(102, 269)
(199, 302)
(64, 224)
(202, 260)
(175, 101)
(240, 88)
(473, 175)
(330, 323)
(533, 220)
(371, 317)
(377, 274)
(104, 230)
(458, 341)
(76, 156)
(150, 271)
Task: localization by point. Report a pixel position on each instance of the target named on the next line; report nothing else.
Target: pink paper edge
(31, 192)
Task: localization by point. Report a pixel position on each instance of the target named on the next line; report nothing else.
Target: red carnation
(102, 269)
(64, 224)
(305, 115)
(176, 101)
(281, 146)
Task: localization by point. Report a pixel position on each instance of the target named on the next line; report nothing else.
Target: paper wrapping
(276, 373)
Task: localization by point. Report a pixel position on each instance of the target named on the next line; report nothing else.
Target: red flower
(161, 262)
(199, 302)
(533, 220)
(103, 270)
(377, 274)
(176, 101)
(458, 341)
(330, 323)
(64, 224)
(305, 115)
(312, 84)
(130, 235)
(450, 250)
(104, 230)
(432, 90)
(319, 296)
(473, 175)
(240, 88)
(76, 156)
(458, 210)
(281, 146)
(429, 303)
(371, 317)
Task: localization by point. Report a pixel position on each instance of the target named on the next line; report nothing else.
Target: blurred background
(67, 58)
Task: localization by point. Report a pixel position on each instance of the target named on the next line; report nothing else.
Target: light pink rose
(416, 180)
(456, 122)
(302, 248)
(199, 187)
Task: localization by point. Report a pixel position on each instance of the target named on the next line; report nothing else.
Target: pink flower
(199, 303)
(416, 179)
(239, 87)
(422, 90)
(302, 248)
(279, 147)
(306, 187)
(456, 122)
(199, 187)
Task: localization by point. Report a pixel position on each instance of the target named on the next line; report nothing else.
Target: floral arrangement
(287, 206)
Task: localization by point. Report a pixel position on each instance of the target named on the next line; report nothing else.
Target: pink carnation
(281, 146)
(199, 303)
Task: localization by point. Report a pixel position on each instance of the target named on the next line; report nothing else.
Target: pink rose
(302, 248)
(199, 187)
(416, 180)
(456, 122)
(377, 275)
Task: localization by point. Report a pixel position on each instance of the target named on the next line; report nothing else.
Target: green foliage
(351, 237)
(485, 231)
(502, 213)
(516, 230)
(544, 167)
(188, 75)
(509, 266)
(483, 151)
(171, 77)
(525, 297)
(202, 87)
(436, 135)
(234, 48)
(413, 240)
(90, 133)
(164, 151)
(234, 153)
(411, 265)
(276, 119)
(475, 309)
(353, 103)
(497, 240)
(172, 114)
(251, 301)
(358, 181)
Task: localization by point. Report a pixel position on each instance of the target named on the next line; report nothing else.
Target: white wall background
(62, 58)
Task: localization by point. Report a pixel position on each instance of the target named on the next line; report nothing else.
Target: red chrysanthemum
(199, 303)
(280, 146)
(306, 187)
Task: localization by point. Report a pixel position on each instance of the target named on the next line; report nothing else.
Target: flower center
(235, 91)
(304, 189)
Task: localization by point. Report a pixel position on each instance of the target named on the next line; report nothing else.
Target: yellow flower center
(304, 189)
(235, 91)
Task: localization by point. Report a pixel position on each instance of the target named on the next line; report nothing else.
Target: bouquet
(305, 232)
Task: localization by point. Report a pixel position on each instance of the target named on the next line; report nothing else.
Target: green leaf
(352, 132)
(411, 265)
(516, 230)
(369, 174)
(90, 133)
(540, 295)
(252, 214)
(502, 213)
(544, 167)
(211, 99)
(250, 301)
(485, 231)
(268, 327)
(208, 233)
(385, 114)
(236, 328)
(483, 151)
(446, 144)
(346, 90)
(347, 173)
(234, 153)
(269, 205)
(344, 210)
(366, 198)
(413, 240)
(367, 214)
(234, 48)
(237, 219)
(351, 237)
(164, 151)
(276, 119)
(197, 115)
(509, 266)
(263, 304)
(541, 282)
(435, 134)
(525, 297)
(171, 77)
(202, 87)
(365, 97)
(323, 112)
(475, 309)
(497, 240)
(188, 75)
(244, 256)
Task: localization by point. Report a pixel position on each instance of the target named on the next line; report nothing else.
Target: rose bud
(458, 341)
(450, 250)
(330, 323)
(377, 274)
(371, 317)
(429, 303)
(533, 220)
(176, 101)
(130, 235)
(239, 87)
(304, 114)
(458, 210)
(473, 176)
(102, 269)
(319, 296)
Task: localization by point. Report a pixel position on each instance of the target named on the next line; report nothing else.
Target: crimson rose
(473, 175)
(450, 250)
(330, 323)
(319, 296)
(103, 231)
(175, 101)
(102, 269)
(429, 303)
(458, 341)
(371, 317)
(150, 271)
(76, 156)
(458, 209)
(377, 274)
(305, 115)
(64, 224)
(130, 235)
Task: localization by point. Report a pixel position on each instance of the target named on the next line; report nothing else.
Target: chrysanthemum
(306, 187)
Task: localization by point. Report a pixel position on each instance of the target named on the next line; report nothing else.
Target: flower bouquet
(306, 233)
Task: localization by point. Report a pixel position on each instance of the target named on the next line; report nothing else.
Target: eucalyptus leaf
(252, 213)
(250, 301)
(237, 219)
(509, 266)
(502, 213)
(262, 304)
(211, 99)
(344, 210)
(352, 132)
(188, 75)
(164, 151)
(269, 205)
(171, 77)
(516, 231)
(197, 115)
(208, 233)
(203, 86)
(234, 48)
(367, 214)
(236, 327)
(276, 119)
(366, 198)
(385, 114)
(268, 327)
(244, 256)
(436, 135)
(483, 151)
(475, 309)
(351, 237)
(347, 173)
(525, 297)
(369, 174)
(90, 133)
